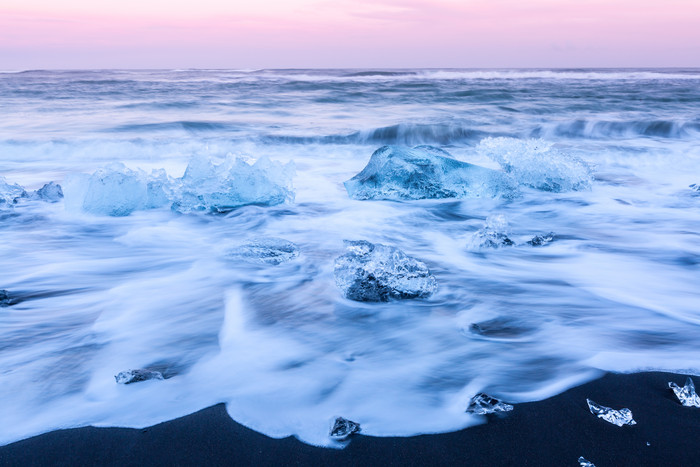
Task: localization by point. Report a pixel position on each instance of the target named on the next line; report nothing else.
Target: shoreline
(554, 431)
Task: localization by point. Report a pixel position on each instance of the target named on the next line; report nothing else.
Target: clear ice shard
(265, 250)
(10, 193)
(585, 463)
(233, 183)
(686, 394)
(483, 404)
(493, 235)
(541, 240)
(135, 376)
(425, 172)
(616, 417)
(343, 428)
(378, 273)
(535, 163)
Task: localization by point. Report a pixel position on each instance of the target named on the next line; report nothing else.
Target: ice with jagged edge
(585, 463)
(10, 193)
(265, 250)
(371, 272)
(542, 240)
(535, 163)
(136, 376)
(425, 172)
(686, 394)
(116, 190)
(343, 428)
(50, 192)
(616, 417)
(206, 186)
(482, 404)
(493, 235)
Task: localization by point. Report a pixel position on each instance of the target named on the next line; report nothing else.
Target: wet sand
(554, 432)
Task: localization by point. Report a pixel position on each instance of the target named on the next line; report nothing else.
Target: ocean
(94, 291)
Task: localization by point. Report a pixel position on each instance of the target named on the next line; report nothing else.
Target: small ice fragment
(483, 404)
(541, 240)
(695, 187)
(10, 194)
(585, 463)
(686, 394)
(493, 235)
(616, 417)
(648, 443)
(378, 273)
(4, 298)
(266, 250)
(135, 376)
(50, 192)
(343, 428)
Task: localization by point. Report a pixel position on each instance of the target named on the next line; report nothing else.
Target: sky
(256, 34)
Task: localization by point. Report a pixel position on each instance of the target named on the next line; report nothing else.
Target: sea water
(603, 160)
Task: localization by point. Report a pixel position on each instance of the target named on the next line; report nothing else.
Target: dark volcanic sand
(554, 432)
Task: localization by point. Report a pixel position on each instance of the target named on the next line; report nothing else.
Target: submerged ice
(616, 417)
(686, 395)
(424, 172)
(535, 163)
(116, 190)
(265, 250)
(493, 235)
(378, 273)
(136, 376)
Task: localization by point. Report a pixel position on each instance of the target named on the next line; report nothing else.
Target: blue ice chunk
(378, 273)
(10, 193)
(233, 183)
(158, 189)
(115, 191)
(535, 163)
(424, 172)
(50, 192)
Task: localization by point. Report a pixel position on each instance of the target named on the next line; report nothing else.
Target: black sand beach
(555, 431)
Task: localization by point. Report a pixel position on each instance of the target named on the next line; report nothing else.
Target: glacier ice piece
(114, 191)
(5, 298)
(537, 164)
(585, 463)
(135, 376)
(378, 273)
(686, 395)
(482, 404)
(695, 187)
(616, 417)
(10, 193)
(118, 191)
(425, 172)
(50, 192)
(206, 186)
(266, 250)
(343, 428)
(493, 235)
(541, 240)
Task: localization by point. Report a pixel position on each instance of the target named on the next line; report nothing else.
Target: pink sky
(345, 33)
